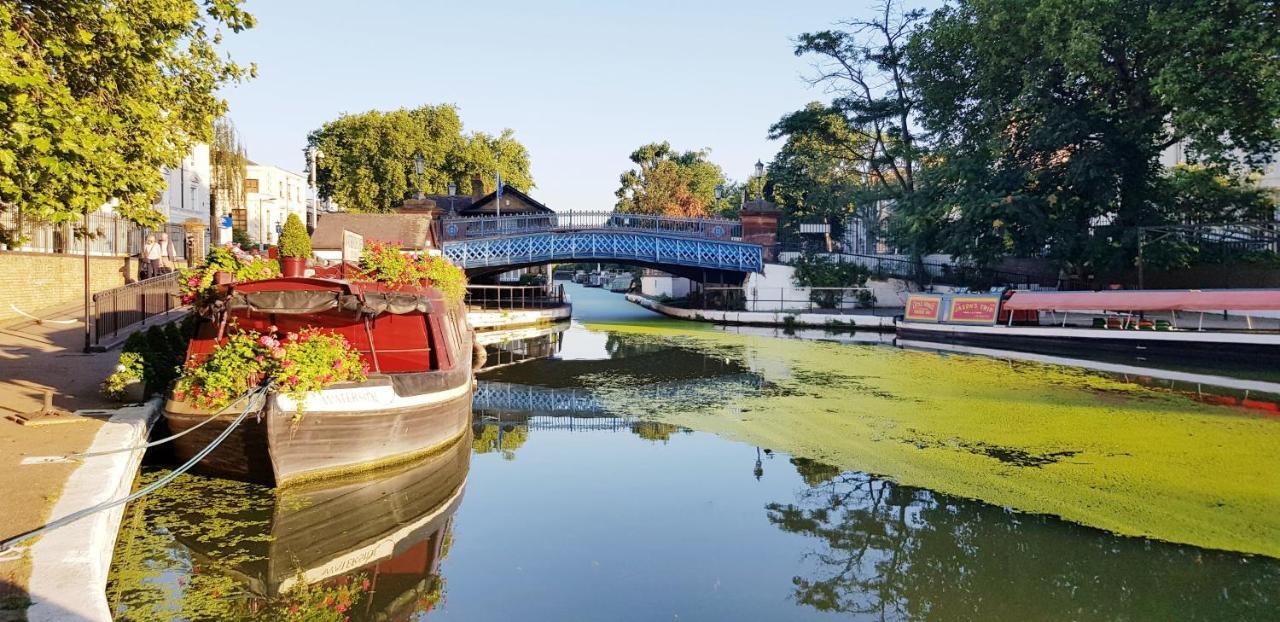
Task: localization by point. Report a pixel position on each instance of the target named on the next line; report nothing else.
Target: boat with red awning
(1207, 326)
(415, 344)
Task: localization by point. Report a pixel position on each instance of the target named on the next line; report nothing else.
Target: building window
(250, 185)
(240, 219)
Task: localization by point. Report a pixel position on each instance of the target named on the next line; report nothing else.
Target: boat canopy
(301, 301)
(1147, 300)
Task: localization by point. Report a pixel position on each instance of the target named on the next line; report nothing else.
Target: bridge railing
(461, 228)
(503, 297)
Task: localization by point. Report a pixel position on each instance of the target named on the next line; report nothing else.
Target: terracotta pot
(293, 266)
(223, 277)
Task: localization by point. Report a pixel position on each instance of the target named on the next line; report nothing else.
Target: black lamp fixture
(759, 168)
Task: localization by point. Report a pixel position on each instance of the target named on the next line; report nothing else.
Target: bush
(294, 241)
(818, 271)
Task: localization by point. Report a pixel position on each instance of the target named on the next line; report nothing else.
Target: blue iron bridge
(699, 248)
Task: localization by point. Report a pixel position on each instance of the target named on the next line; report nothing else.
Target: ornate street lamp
(417, 168)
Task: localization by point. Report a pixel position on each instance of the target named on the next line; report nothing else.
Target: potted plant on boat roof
(295, 247)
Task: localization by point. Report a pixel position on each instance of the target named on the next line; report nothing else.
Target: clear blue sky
(582, 83)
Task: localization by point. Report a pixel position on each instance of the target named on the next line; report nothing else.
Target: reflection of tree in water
(897, 552)
(493, 437)
(656, 431)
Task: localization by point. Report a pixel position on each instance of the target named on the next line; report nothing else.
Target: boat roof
(1147, 300)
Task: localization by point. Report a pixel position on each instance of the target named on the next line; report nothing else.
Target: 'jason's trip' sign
(974, 309)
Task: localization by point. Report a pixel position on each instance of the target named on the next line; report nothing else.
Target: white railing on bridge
(464, 227)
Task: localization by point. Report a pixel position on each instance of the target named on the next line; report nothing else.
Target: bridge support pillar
(760, 226)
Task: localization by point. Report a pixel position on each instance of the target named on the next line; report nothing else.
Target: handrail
(515, 296)
(462, 227)
(121, 307)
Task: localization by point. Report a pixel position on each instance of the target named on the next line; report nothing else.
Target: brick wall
(40, 282)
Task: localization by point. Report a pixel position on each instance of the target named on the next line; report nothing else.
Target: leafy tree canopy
(673, 183)
(1049, 118)
(96, 97)
(368, 162)
(820, 173)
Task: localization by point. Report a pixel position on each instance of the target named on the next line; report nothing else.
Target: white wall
(664, 285)
(187, 193)
(280, 193)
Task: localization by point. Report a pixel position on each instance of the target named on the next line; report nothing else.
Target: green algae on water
(1037, 438)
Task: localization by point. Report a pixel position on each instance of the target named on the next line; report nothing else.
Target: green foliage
(368, 161)
(228, 161)
(129, 369)
(385, 262)
(96, 97)
(241, 238)
(818, 271)
(294, 241)
(196, 284)
(1049, 116)
(152, 356)
(671, 183)
(818, 175)
(488, 438)
(297, 364)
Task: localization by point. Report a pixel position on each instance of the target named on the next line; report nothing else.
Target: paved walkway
(34, 358)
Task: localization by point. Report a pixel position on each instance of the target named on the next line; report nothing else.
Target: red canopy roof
(1148, 300)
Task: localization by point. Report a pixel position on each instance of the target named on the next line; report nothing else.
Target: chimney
(477, 188)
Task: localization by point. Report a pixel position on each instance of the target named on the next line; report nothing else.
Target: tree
(369, 158)
(1049, 117)
(865, 66)
(97, 97)
(228, 161)
(820, 173)
(671, 183)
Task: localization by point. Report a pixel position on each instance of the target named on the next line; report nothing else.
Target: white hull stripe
(367, 399)
(1087, 334)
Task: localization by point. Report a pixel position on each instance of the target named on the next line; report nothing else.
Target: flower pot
(223, 277)
(293, 266)
(134, 393)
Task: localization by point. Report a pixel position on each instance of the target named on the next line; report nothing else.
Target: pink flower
(337, 364)
(340, 608)
(259, 358)
(291, 337)
(273, 329)
(294, 379)
(364, 585)
(277, 353)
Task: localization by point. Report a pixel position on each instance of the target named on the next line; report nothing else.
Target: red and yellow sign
(974, 309)
(923, 308)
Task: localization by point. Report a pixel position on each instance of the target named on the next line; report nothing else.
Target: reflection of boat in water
(380, 537)
(509, 347)
(417, 396)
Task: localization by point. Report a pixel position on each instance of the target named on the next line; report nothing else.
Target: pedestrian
(168, 255)
(151, 253)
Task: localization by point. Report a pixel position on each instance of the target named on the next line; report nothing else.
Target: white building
(1269, 180)
(271, 194)
(186, 196)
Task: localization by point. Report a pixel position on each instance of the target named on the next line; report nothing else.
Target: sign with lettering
(923, 308)
(352, 246)
(974, 309)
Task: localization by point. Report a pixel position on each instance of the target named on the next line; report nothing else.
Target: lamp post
(263, 238)
(417, 182)
(314, 154)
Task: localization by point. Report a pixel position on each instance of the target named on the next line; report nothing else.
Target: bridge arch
(695, 248)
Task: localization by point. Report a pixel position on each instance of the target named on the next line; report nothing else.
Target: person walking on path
(151, 253)
(168, 255)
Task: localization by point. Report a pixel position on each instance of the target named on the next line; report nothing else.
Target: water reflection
(364, 548)
(896, 552)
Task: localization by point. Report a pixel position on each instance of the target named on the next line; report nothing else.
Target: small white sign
(352, 246)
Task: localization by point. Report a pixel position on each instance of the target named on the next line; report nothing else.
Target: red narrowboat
(418, 350)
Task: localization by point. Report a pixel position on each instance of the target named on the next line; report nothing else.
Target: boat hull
(341, 430)
(1215, 347)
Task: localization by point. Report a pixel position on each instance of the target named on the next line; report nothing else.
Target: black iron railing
(936, 273)
(515, 296)
(119, 308)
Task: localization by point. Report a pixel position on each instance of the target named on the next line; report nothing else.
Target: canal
(631, 467)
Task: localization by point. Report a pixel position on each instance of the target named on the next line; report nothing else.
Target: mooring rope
(166, 439)
(6, 545)
(40, 320)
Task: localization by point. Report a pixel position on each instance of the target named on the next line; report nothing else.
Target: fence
(490, 226)
(830, 299)
(935, 273)
(515, 296)
(109, 234)
(121, 307)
